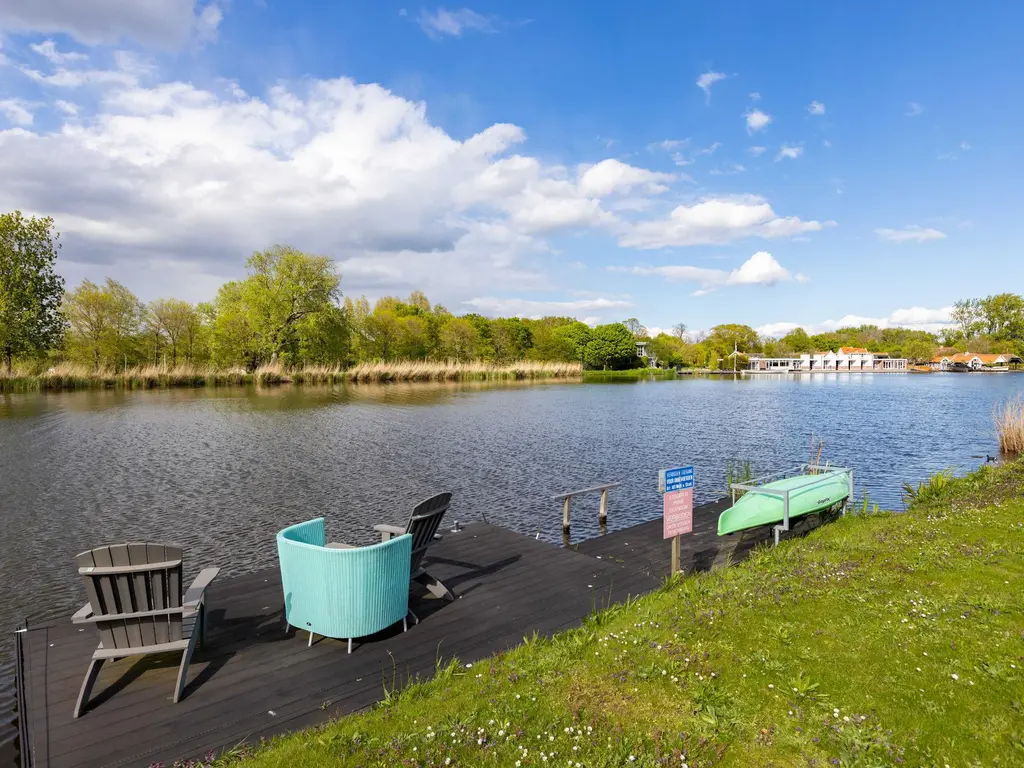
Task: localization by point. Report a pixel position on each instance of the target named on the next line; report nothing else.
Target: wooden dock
(253, 680)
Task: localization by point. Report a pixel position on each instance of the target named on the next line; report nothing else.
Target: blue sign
(676, 479)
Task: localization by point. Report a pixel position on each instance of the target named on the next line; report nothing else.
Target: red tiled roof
(853, 350)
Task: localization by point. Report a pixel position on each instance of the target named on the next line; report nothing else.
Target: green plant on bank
(937, 486)
(631, 374)
(1009, 419)
(737, 471)
(878, 640)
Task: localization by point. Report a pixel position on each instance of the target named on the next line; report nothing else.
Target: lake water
(220, 471)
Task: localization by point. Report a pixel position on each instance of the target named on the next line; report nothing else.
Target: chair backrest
(342, 592)
(127, 579)
(423, 524)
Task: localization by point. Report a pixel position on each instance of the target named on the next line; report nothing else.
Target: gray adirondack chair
(423, 524)
(136, 603)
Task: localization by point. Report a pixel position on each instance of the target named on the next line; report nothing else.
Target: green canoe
(756, 509)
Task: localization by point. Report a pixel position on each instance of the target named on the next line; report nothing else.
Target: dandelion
(955, 676)
(770, 685)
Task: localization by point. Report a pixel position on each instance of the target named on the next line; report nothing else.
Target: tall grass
(70, 376)
(1009, 418)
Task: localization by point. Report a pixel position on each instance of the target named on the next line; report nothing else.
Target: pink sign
(678, 512)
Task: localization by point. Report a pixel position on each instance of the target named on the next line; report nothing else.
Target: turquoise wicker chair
(342, 592)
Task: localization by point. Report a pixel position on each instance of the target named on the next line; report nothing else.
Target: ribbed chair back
(126, 579)
(423, 524)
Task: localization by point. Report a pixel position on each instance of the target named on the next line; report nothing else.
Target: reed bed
(70, 376)
(1009, 418)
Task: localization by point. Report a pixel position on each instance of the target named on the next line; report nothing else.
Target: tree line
(289, 309)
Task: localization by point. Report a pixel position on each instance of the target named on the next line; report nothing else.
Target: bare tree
(679, 331)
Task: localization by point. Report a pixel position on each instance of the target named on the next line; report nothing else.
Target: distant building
(974, 361)
(643, 349)
(848, 359)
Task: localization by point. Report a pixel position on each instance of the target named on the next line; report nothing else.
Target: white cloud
(913, 109)
(915, 318)
(716, 221)
(912, 233)
(787, 152)
(66, 107)
(759, 269)
(757, 120)
(757, 151)
(443, 22)
(611, 176)
(16, 111)
(164, 23)
(48, 50)
(816, 108)
(755, 96)
(680, 159)
(168, 187)
(728, 170)
(708, 79)
(964, 146)
(826, 143)
(668, 144)
(518, 307)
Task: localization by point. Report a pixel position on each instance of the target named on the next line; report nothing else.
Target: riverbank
(76, 377)
(880, 639)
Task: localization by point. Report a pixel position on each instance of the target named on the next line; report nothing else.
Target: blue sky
(760, 162)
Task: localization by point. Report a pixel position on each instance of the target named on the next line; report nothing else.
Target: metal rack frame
(815, 474)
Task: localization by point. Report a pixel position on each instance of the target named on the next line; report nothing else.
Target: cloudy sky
(688, 162)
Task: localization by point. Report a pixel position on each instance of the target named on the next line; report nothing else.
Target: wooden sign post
(676, 486)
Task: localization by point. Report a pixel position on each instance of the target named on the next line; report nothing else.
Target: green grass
(630, 374)
(880, 639)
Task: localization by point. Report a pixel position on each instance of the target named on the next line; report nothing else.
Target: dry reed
(1009, 418)
(68, 376)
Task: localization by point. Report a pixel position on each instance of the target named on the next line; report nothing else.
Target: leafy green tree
(174, 321)
(966, 315)
(574, 337)
(635, 327)
(611, 346)
(104, 323)
(257, 318)
(31, 292)
(511, 338)
(797, 341)
(918, 350)
(1003, 315)
(460, 339)
(668, 350)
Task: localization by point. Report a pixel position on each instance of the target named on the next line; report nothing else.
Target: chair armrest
(197, 592)
(388, 531)
(82, 614)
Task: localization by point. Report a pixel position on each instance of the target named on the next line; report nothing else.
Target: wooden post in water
(565, 516)
(602, 515)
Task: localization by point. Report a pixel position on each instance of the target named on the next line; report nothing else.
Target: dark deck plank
(641, 548)
(508, 586)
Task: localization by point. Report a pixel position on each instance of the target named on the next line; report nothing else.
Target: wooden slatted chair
(423, 524)
(136, 603)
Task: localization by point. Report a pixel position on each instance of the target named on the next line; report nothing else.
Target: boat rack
(815, 474)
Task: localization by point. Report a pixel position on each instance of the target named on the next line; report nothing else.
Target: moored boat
(764, 504)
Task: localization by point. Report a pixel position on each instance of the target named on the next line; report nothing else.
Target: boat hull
(752, 510)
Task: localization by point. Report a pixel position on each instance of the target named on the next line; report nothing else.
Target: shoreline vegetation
(70, 376)
(878, 639)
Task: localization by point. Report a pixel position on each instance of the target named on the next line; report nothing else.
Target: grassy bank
(877, 640)
(632, 374)
(71, 377)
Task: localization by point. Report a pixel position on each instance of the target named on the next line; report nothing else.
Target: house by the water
(846, 359)
(975, 361)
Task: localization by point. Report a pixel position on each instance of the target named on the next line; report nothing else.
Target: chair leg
(90, 679)
(405, 623)
(186, 657)
(310, 643)
(434, 587)
(414, 616)
(350, 645)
